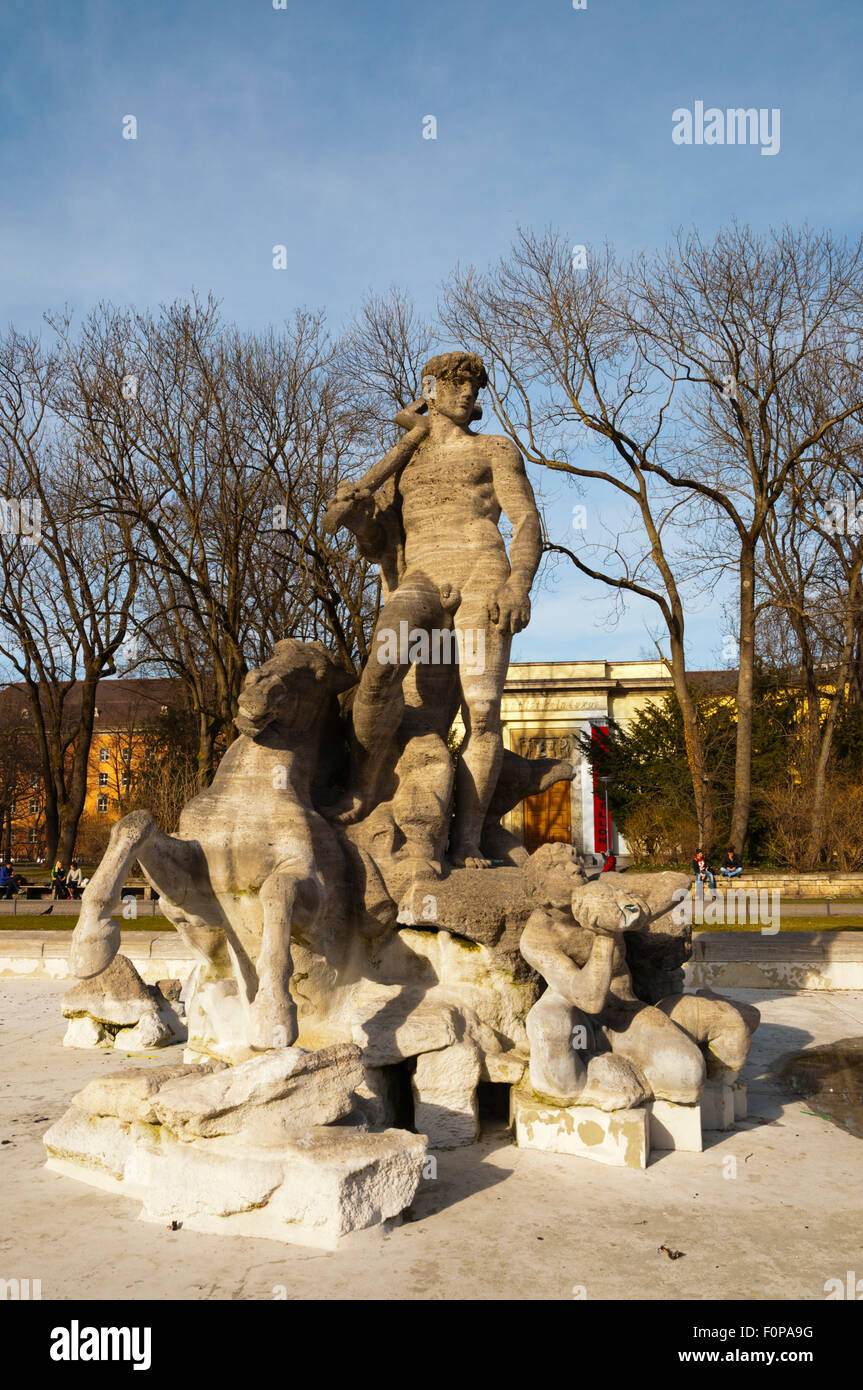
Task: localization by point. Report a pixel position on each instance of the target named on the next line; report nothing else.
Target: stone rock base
(309, 1191)
(445, 1100)
(722, 1103)
(117, 1009)
(624, 1137)
(617, 1137)
(275, 1146)
(675, 1126)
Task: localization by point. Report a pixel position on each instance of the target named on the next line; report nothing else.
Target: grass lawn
(789, 924)
(33, 922)
(157, 923)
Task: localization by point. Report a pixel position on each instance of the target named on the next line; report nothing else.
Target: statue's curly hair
(447, 365)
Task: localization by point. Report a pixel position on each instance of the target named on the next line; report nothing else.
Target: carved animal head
(291, 689)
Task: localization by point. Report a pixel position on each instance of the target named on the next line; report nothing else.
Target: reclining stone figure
(592, 1040)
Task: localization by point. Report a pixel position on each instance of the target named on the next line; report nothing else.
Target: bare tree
(66, 593)
(811, 573)
(219, 461)
(759, 335)
(568, 377)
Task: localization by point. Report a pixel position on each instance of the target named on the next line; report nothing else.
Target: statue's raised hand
(414, 416)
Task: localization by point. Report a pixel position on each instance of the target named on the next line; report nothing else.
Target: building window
(34, 835)
(124, 781)
(103, 779)
(34, 781)
(101, 803)
(126, 755)
(34, 808)
(103, 755)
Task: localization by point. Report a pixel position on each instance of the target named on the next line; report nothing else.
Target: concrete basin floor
(773, 1209)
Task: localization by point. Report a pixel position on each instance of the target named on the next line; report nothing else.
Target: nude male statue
(452, 571)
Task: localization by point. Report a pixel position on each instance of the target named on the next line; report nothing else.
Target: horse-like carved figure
(251, 859)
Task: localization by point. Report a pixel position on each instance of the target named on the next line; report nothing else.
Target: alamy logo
(844, 515)
(21, 516)
(20, 1290)
(738, 125)
(439, 647)
(77, 1343)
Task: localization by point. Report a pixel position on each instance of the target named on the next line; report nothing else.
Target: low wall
(829, 886)
(786, 960)
(747, 960)
(45, 955)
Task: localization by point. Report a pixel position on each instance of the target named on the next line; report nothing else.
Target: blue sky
(303, 126)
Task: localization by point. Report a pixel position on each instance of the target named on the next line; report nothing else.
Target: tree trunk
(694, 756)
(205, 750)
(745, 682)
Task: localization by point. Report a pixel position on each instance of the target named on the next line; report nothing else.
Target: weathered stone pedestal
(722, 1103)
(674, 1126)
(624, 1138)
(268, 1148)
(617, 1137)
(117, 1009)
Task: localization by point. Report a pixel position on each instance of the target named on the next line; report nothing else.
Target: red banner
(601, 823)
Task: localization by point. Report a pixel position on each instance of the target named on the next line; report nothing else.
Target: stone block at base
(675, 1126)
(717, 1105)
(312, 1190)
(617, 1137)
(741, 1100)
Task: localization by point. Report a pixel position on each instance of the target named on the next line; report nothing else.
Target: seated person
(610, 863)
(731, 865)
(73, 880)
(58, 882)
(703, 873)
(591, 1037)
(7, 883)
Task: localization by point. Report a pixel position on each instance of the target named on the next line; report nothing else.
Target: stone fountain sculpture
(352, 934)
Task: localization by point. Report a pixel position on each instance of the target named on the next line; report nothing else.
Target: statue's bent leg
(670, 1062)
(558, 1060)
(378, 707)
(273, 1015)
(716, 1024)
(175, 868)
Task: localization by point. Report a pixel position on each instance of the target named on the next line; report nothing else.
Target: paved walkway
(496, 1222)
